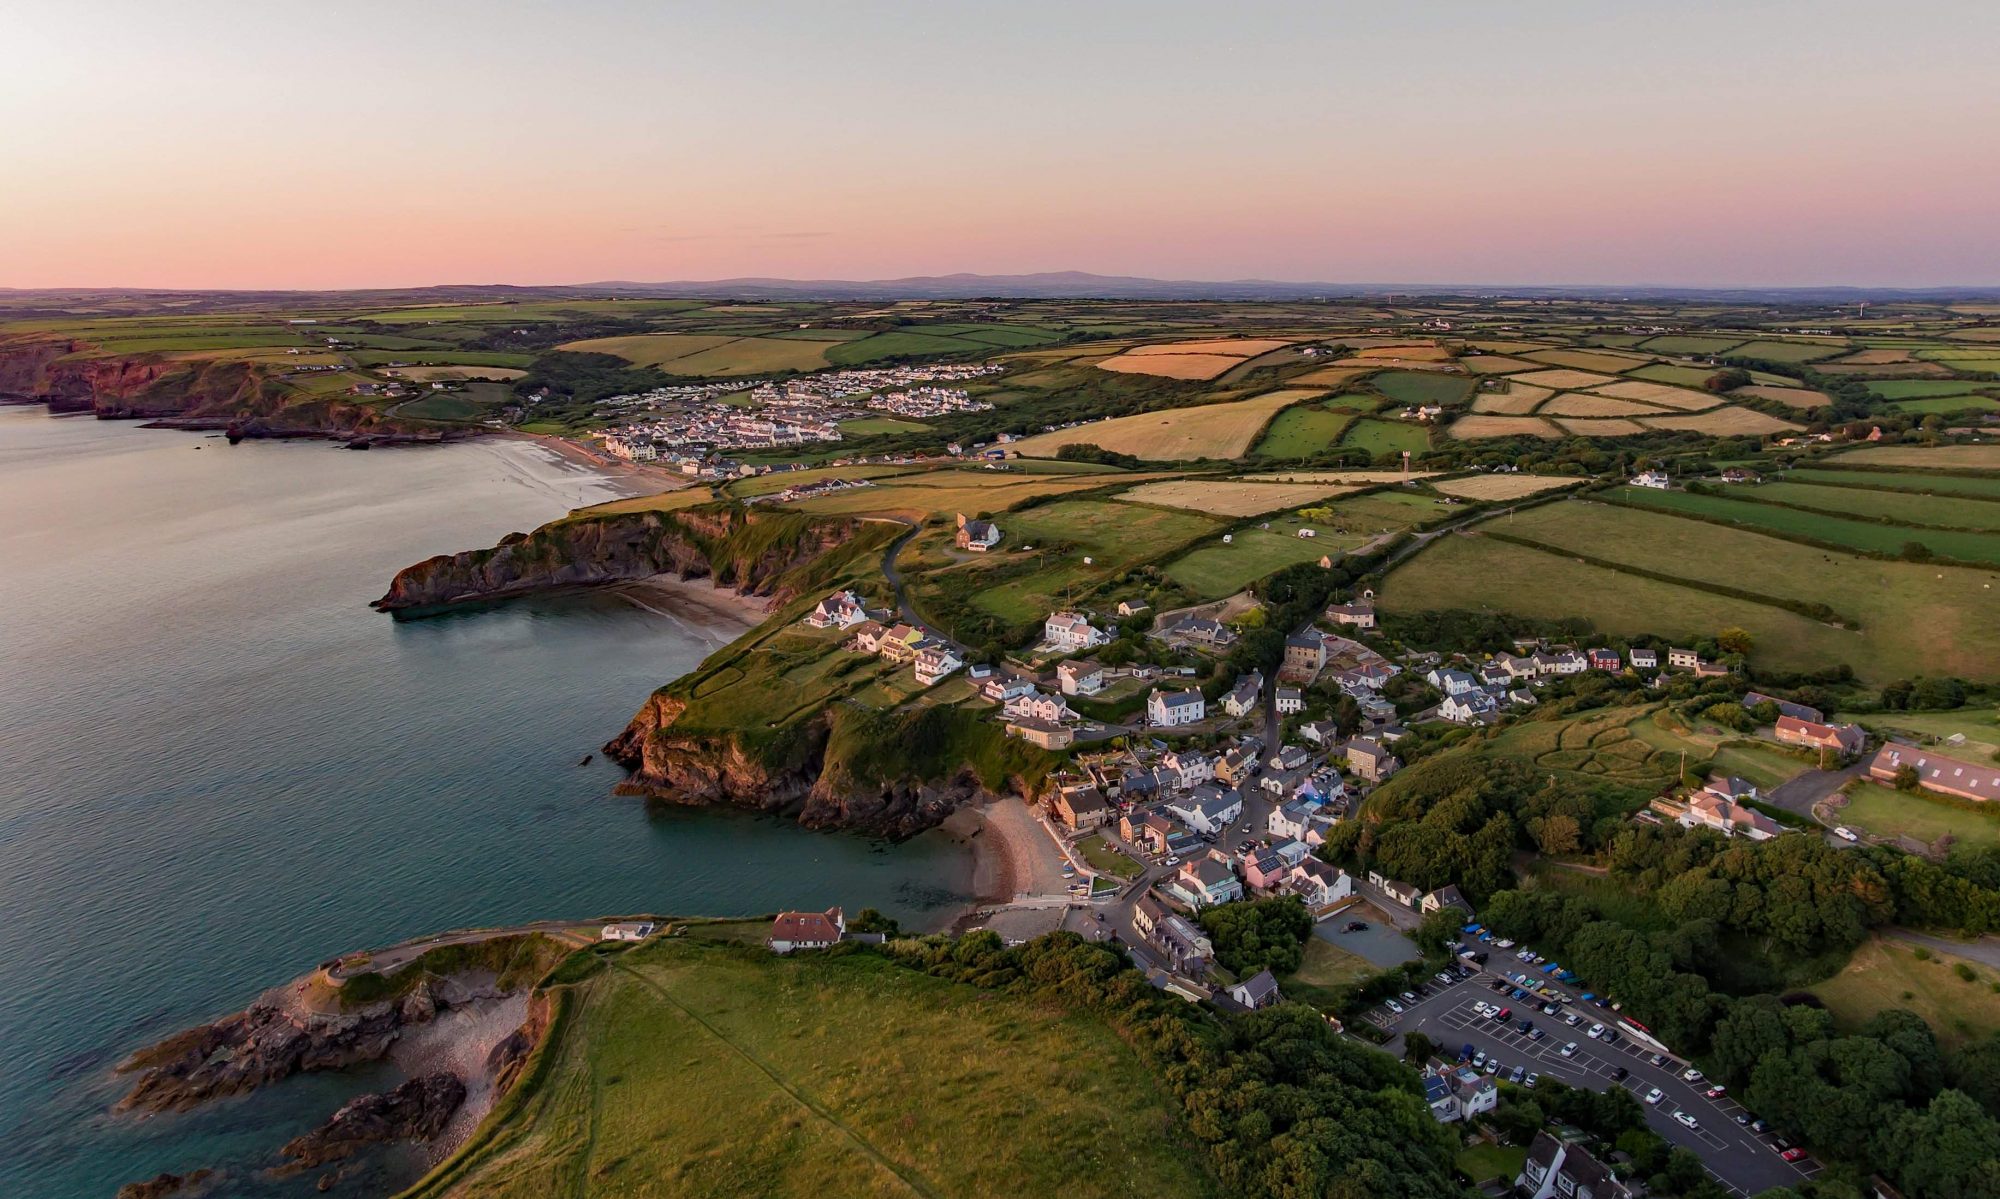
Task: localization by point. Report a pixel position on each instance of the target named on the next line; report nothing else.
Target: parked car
(1657, 1059)
(1596, 1031)
(1713, 1092)
(1793, 1155)
(1655, 1095)
(1538, 1034)
(1758, 1125)
(1690, 1075)
(1503, 1013)
(1687, 1119)
(1409, 997)
(1444, 980)
(1568, 1050)
(1572, 1019)
(1530, 1081)
(1492, 1065)
(1551, 1008)
(1465, 1054)
(1393, 1006)
(1845, 834)
(1357, 926)
(1620, 1074)
(1520, 1072)
(1526, 1026)
(1481, 1008)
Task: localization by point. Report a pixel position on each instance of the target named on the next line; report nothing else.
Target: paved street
(1741, 1160)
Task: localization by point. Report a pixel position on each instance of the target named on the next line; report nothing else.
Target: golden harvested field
(1233, 497)
(1578, 403)
(1362, 478)
(1563, 380)
(1209, 431)
(1330, 376)
(1796, 397)
(1495, 364)
(1467, 428)
(1664, 395)
(1408, 364)
(1502, 487)
(652, 349)
(445, 374)
(1950, 457)
(1974, 335)
(1725, 422)
(1591, 360)
(1171, 366)
(929, 499)
(1609, 426)
(1510, 347)
(1424, 353)
(1872, 358)
(1517, 400)
(1233, 347)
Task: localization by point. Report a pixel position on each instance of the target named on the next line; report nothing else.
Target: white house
(1190, 767)
(1037, 706)
(840, 610)
(1290, 700)
(806, 930)
(1069, 632)
(1471, 707)
(1451, 682)
(1080, 676)
(1169, 709)
(934, 663)
(1207, 809)
(1655, 479)
(1242, 698)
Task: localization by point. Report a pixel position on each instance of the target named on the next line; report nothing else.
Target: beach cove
(221, 767)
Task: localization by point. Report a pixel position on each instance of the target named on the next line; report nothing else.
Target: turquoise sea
(219, 766)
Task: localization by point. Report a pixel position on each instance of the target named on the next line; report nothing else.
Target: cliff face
(242, 398)
(698, 768)
(752, 551)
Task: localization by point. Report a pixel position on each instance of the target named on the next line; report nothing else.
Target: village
(686, 424)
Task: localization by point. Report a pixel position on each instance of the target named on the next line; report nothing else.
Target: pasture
(1213, 570)
(866, 425)
(1518, 400)
(1910, 619)
(1683, 344)
(1943, 457)
(1794, 397)
(1947, 404)
(698, 1067)
(1865, 535)
(1232, 497)
(1901, 507)
(1387, 437)
(1923, 482)
(1887, 812)
(1919, 389)
(1361, 478)
(1414, 389)
(1174, 434)
(1302, 431)
(1495, 364)
(1788, 351)
(1886, 974)
(1586, 360)
(1679, 376)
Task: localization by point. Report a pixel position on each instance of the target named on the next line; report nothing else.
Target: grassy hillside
(698, 1068)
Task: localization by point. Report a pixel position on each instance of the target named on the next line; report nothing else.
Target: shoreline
(636, 480)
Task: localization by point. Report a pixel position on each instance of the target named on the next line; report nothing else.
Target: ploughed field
(694, 1067)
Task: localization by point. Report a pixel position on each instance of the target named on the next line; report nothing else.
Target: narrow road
(1985, 950)
(901, 592)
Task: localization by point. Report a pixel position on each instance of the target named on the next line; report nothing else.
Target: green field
(1215, 570)
(1922, 482)
(1787, 351)
(1979, 726)
(1856, 534)
(1947, 405)
(1885, 974)
(1680, 376)
(862, 426)
(445, 407)
(1326, 969)
(1887, 812)
(1917, 389)
(709, 1069)
(1765, 765)
(1679, 344)
(1114, 536)
(1422, 387)
(1912, 619)
(1302, 431)
(1901, 506)
(1387, 436)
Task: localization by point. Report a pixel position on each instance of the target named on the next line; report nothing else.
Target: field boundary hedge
(1750, 497)
(1837, 547)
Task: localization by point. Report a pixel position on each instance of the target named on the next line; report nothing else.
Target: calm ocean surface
(218, 766)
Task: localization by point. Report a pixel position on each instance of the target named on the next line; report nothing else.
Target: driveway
(1799, 795)
(1742, 1161)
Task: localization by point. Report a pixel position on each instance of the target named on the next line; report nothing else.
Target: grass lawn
(1387, 436)
(1215, 570)
(1858, 534)
(1764, 765)
(1885, 973)
(1947, 404)
(1887, 812)
(1924, 482)
(862, 426)
(1919, 389)
(1326, 968)
(1911, 619)
(1486, 1160)
(1103, 858)
(1422, 387)
(1979, 726)
(694, 1068)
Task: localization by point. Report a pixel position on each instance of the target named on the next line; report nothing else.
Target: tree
(1418, 1048)
(870, 920)
(1907, 778)
(1438, 929)
(1915, 551)
(1259, 934)
(1557, 834)
(1734, 640)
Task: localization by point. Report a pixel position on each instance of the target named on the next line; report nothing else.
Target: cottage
(1080, 676)
(1190, 767)
(1451, 682)
(1320, 732)
(1170, 709)
(1460, 1093)
(1069, 632)
(837, 611)
(1843, 739)
(1001, 688)
(1369, 760)
(1605, 659)
(1446, 896)
(1046, 734)
(1263, 869)
(1206, 882)
(1566, 1169)
(1319, 884)
(1082, 809)
(1396, 890)
(1657, 480)
(1360, 614)
(1133, 607)
(977, 536)
(867, 638)
(806, 930)
(1290, 700)
(935, 663)
(1208, 809)
(1937, 772)
(1472, 707)
(1289, 820)
(1683, 659)
(1260, 990)
(1644, 659)
(1242, 698)
(627, 930)
(1236, 766)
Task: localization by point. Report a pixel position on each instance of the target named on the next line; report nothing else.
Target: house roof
(1785, 707)
(1259, 986)
(1178, 699)
(807, 926)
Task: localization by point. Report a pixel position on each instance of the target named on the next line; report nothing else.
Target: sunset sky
(284, 144)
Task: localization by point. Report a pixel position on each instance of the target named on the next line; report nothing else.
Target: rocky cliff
(242, 398)
(755, 551)
(416, 1110)
(794, 779)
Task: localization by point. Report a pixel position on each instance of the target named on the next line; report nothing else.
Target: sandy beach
(717, 615)
(1012, 855)
(633, 478)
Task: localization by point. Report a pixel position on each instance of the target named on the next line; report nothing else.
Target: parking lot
(1742, 1160)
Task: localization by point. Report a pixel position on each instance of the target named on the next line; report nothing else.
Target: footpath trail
(385, 961)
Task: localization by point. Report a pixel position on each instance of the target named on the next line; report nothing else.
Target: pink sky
(261, 145)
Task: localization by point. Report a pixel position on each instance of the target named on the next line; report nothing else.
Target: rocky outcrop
(754, 551)
(700, 768)
(162, 1185)
(243, 399)
(417, 1110)
(274, 1039)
